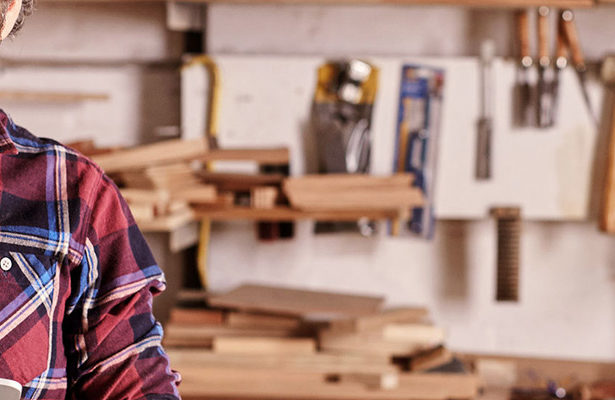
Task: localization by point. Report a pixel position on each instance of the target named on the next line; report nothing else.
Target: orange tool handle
(607, 217)
(523, 35)
(561, 49)
(571, 35)
(543, 35)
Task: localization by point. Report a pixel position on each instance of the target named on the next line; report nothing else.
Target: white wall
(568, 269)
(101, 39)
(382, 30)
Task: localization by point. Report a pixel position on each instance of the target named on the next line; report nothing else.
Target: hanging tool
(416, 143)
(211, 134)
(523, 93)
(485, 122)
(509, 239)
(545, 88)
(560, 64)
(570, 36)
(607, 217)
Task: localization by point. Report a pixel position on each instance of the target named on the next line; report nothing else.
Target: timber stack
(170, 183)
(264, 342)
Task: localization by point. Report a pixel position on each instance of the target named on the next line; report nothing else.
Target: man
(76, 276)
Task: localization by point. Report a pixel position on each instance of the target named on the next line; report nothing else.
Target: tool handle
(572, 39)
(483, 150)
(607, 217)
(543, 35)
(561, 51)
(523, 36)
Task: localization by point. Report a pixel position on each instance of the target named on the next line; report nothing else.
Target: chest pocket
(27, 303)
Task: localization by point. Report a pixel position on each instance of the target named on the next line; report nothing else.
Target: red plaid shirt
(77, 280)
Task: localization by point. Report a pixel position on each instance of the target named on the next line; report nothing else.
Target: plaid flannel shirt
(76, 279)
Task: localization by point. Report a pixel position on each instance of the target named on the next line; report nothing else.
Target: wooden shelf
(289, 214)
(462, 3)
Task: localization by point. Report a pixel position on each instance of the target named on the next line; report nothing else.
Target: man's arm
(111, 337)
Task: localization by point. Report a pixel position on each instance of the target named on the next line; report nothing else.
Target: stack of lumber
(262, 342)
(165, 182)
(167, 185)
(345, 191)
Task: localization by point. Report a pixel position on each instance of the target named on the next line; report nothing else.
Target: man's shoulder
(28, 146)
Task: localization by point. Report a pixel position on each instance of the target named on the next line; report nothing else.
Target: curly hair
(27, 6)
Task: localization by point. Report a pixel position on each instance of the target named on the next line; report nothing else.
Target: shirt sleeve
(112, 340)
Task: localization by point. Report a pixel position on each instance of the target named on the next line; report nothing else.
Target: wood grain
(244, 383)
(317, 362)
(263, 345)
(288, 214)
(377, 321)
(149, 155)
(300, 302)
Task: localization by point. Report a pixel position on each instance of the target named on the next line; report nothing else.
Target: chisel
(572, 40)
(545, 87)
(607, 212)
(561, 62)
(524, 110)
(485, 122)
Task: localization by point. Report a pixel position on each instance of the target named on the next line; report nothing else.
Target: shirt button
(6, 264)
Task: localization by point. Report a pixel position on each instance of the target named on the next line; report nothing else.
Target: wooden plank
(240, 182)
(280, 384)
(414, 333)
(196, 194)
(364, 199)
(317, 362)
(263, 345)
(245, 320)
(51, 97)
(273, 156)
(132, 195)
(346, 181)
(203, 335)
(264, 197)
(195, 316)
(377, 321)
(167, 151)
(374, 381)
(214, 331)
(370, 346)
(352, 191)
(288, 301)
(401, 340)
(289, 214)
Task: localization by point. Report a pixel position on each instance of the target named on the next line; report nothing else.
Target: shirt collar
(7, 145)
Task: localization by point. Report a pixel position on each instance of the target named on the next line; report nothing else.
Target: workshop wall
(567, 306)
(568, 276)
(76, 48)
